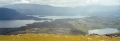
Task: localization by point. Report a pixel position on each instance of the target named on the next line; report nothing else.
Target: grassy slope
(52, 37)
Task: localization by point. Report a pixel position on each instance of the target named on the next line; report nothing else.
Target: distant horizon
(62, 3)
(60, 6)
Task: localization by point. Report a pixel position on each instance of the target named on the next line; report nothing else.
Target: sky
(62, 3)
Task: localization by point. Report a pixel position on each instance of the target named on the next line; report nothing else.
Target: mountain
(11, 14)
(90, 10)
(36, 9)
(67, 26)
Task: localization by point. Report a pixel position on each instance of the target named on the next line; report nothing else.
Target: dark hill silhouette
(11, 14)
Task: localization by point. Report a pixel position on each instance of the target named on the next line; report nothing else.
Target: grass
(53, 37)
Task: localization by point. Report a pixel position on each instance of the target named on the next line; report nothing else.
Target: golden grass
(53, 37)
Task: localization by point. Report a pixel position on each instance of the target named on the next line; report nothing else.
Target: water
(19, 23)
(16, 23)
(62, 17)
(103, 31)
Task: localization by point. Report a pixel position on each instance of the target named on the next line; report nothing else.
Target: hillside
(11, 14)
(69, 26)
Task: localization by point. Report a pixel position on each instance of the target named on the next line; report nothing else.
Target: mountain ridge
(91, 10)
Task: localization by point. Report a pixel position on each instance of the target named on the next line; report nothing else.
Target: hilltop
(53, 37)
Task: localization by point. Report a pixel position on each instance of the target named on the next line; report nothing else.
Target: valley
(76, 26)
(59, 20)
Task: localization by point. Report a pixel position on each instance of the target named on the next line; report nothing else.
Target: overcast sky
(62, 3)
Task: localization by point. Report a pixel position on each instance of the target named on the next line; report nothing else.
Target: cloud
(92, 1)
(22, 1)
(64, 3)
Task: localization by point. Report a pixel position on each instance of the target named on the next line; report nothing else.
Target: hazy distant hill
(69, 26)
(91, 10)
(11, 14)
(37, 9)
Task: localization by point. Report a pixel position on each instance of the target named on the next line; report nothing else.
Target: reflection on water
(103, 31)
(16, 23)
